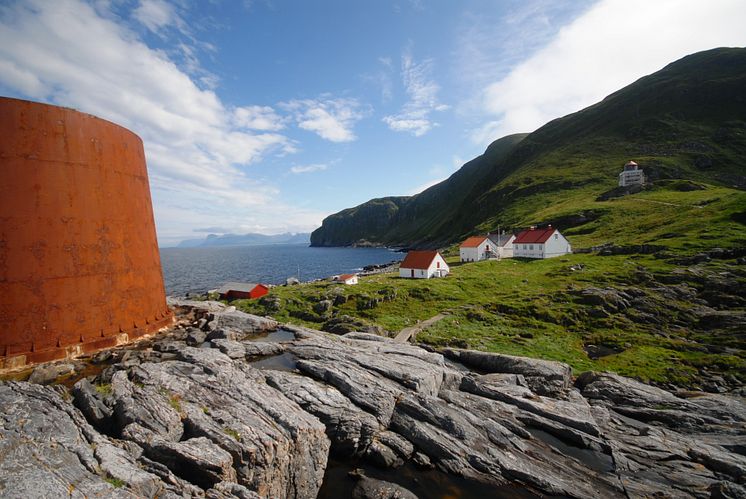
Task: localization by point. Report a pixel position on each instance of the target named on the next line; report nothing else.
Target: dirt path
(408, 332)
(668, 204)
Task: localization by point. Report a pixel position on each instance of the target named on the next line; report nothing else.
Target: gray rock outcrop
(189, 415)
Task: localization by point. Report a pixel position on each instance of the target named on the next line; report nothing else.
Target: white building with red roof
(349, 279)
(477, 248)
(423, 265)
(540, 243)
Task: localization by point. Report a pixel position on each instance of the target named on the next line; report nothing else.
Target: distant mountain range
(245, 240)
(686, 121)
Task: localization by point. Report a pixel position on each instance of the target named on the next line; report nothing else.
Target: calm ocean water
(200, 269)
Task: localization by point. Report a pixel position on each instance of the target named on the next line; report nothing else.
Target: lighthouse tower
(631, 175)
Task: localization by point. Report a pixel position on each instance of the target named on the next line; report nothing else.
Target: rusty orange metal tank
(79, 263)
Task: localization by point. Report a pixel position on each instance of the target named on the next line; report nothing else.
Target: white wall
(506, 251)
(432, 271)
(478, 253)
(556, 245)
(418, 274)
(469, 254)
(532, 250)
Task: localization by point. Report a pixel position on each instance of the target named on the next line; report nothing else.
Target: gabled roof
(534, 235)
(473, 241)
(418, 260)
(500, 240)
(237, 286)
(344, 277)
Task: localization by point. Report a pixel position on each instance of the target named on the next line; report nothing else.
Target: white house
(540, 243)
(423, 265)
(631, 175)
(348, 279)
(503, 244)
(476, 248)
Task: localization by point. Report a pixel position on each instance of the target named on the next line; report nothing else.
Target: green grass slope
(658, 290)
(685, 121)
(655, 318)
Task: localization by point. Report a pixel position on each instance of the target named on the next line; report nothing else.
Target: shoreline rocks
(191, 413)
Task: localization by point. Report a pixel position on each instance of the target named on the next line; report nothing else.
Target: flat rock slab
(181, 421)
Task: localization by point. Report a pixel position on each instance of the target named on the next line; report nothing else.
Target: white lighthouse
(631, 175)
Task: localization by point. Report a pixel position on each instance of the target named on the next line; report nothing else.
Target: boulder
(197, 460)
(275, 448)
(49, 450)
(545, 377)
(46, 373)
(371, 488)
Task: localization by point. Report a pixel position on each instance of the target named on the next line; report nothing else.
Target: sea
(197, 270)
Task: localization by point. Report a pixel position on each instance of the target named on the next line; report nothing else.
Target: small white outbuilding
(423, 265)
(349, 279)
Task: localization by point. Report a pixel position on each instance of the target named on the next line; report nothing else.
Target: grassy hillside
(412, 218)
(653, 317)
(683, 122)
(650, 295)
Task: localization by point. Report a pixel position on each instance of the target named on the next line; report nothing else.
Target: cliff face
(414, 220)
(682, 122)
(217, 409)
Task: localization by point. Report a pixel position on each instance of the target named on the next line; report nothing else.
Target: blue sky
(267, 115)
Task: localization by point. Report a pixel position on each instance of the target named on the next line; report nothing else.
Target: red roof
(534, 235)
(418, 260)
(473, 241)
(344, 277)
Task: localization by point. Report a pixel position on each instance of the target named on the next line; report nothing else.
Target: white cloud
(258, 118)
(309, 168)
(382, 79)
(609, 46)
(155, 14)
(198, 155)
(332, 119)
(422, 91)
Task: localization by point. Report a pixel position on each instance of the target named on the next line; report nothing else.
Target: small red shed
(242, 290)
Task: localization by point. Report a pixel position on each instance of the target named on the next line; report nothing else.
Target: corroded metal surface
(79, 262)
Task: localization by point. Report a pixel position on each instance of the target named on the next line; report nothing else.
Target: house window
(437, 265)
(525, 247)
(556, 236)
(530, 246)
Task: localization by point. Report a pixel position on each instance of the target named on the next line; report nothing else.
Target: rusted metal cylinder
(79, 263)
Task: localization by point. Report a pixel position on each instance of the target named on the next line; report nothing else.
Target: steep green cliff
(686, 121)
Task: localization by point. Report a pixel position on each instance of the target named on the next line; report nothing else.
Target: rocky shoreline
(227, 404)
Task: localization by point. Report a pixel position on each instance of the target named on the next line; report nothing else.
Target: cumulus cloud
(422, 92)
(308, 168)
(258, 118)
(332, 119)
(198, 149)
(609, 46)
